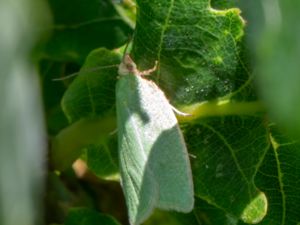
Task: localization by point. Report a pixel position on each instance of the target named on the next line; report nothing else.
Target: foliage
(231, 65)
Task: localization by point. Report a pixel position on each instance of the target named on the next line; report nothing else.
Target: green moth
(155, 167)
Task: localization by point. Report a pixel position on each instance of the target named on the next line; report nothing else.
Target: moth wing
(138, 183)
(168, 157)
(140, 201)
(154, 161)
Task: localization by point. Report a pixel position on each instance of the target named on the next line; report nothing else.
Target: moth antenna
(85, 71)
(193, 156)
(126, 47)
(66, 77)
(148, 72)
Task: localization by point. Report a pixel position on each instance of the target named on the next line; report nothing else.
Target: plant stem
(220, 108)
(67, 146)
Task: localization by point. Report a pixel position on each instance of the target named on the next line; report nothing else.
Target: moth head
(127, 66)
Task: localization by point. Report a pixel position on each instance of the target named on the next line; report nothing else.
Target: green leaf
(227, 153)
(89, 96)
(279, 178)
(197, 48)
(85, 216)
(92, 93)
(102, 159)
(211, 215)
(83, 27)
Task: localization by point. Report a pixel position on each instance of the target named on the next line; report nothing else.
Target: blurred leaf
(85, 216)
(52, 94)
(52, 91)
(171, 218)
(62, 194)
(127, 10)
(83, 26)
(278, 50)
(223, 4)
(68, 145)
(22, 137)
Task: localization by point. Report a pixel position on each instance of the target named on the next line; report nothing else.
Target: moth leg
(65, 77)
(179, 112)
(113, 132)
(193, 156)
(148, 72)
